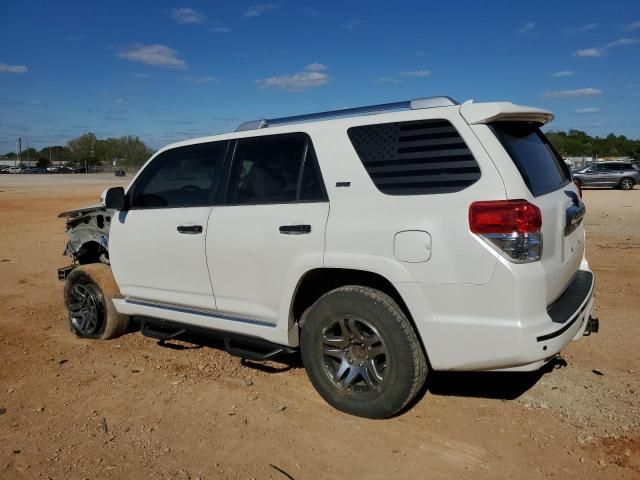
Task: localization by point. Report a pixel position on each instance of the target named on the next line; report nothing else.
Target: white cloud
(315, 67)
(188, 15)
(587, 27)
(580, 92)
(120, 101)
(624, 41)
(386, 80)
(634, 25)
(220, 29)
(259, 9)
(588, 110)
(416, 73)
(562, 73)
(13, 68)
(312, 76)
(200, 80)
(353, 24)
(526, 28)
(310, 12)
(589, 52)
(157, 55)
(581, 29)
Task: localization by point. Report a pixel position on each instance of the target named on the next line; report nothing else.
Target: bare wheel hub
(357, 353)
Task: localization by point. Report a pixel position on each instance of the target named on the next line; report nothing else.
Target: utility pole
(19, 151)
(86, 168)
(50, 162)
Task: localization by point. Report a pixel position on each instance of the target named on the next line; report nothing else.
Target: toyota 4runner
(381, 242)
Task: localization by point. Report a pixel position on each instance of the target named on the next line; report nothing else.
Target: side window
(275, 169)
(413, 158)
(181, 177)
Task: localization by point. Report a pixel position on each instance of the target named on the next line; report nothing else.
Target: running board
(64, 272)
(256, 355)
(249, 348)
(159, 333)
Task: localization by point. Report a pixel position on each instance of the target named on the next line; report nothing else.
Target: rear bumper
(569, 309)
(484, 340)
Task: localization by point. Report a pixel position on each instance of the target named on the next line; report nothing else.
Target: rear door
(270, 230)
(591, 176)
(549, 180)
(611, 174)
(157, 246)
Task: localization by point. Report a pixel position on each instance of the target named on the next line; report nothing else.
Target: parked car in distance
(623, 175)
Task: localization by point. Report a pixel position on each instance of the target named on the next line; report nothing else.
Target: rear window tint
(414, 158)
(541, 167)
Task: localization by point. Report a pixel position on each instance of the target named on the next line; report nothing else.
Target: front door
(270, 230)
(157, 245)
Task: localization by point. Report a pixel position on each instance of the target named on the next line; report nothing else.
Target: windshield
(541, 167)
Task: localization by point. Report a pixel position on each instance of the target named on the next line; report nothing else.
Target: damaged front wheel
(88, 292)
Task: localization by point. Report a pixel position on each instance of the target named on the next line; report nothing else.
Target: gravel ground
(129, 408)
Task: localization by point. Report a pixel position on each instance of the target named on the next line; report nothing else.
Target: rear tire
(627, 183)
(88, 293)
(361, 352)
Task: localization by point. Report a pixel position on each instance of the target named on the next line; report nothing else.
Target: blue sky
(170, 70)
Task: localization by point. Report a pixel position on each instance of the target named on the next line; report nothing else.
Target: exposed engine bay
(88, 232)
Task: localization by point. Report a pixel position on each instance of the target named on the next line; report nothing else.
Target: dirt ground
(129, 408)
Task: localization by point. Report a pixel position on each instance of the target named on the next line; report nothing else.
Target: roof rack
(415, 104)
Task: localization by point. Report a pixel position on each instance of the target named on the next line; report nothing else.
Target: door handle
(295, 229)
(190, 229)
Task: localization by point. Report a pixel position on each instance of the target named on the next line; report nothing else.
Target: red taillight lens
(504, 216)
(578, 186)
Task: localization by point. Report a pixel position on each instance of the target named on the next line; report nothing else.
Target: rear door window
(541, 167)
(415, 158)
(275, 169)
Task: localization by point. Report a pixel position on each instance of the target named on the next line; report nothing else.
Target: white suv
(381, 242)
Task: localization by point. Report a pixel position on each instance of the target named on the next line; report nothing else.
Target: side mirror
(115, 198)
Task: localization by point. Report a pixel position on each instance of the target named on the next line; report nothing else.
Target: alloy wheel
(86, 309)
(355, 356)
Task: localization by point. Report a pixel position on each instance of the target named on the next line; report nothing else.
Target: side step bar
(249, 348)
(64, 272)
(160, 334)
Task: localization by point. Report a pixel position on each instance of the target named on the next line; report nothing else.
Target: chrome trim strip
(197, 311)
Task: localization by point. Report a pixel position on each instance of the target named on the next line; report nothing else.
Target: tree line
(130, 151)
(87, 149)
(576, 143)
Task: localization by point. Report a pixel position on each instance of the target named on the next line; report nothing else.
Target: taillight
(513, 227)
(578, 186)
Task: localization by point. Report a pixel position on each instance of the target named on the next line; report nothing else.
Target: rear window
(541, 167)
(415, 158)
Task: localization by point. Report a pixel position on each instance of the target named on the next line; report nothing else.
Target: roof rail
(415, 104)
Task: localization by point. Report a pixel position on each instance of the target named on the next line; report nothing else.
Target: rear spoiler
(475, 113)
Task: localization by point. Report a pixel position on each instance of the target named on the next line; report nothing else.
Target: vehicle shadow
(496, 385)
(283, 362)
(493, 385)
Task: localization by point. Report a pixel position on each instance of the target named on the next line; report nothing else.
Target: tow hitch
(593, 325)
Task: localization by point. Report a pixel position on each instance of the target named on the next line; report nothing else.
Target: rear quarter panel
(363, 221)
